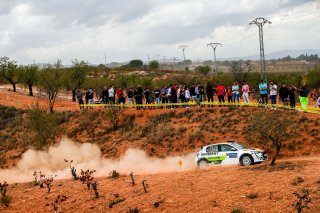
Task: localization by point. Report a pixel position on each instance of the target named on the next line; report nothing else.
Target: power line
(260, 22)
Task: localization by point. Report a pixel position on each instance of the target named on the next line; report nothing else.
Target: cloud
(47, 30)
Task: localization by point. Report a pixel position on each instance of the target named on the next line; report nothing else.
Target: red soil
(217, 189)
(20, 99)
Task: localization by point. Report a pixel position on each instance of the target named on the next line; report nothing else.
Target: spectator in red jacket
(229, 93)
(221, 92)
(120, 96)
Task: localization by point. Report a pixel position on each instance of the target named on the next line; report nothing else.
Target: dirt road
(258, 188)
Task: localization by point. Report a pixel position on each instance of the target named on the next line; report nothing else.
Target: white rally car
(229, 153)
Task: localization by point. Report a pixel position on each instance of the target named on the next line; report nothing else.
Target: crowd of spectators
(198, 93)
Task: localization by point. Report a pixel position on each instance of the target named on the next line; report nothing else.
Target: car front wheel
(203, 164)
(246, 161)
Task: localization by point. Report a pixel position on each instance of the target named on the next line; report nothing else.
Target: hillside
(149, 143)
(159, 132)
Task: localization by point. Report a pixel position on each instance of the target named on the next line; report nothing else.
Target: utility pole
(260, 22)
(164, 59)
(183, 47)
(214, 47)
(157, 58)
(105, 65)
(105, 60)
(174, 59)
(164, 62)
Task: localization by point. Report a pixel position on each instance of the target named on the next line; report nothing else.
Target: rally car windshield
(238, 146)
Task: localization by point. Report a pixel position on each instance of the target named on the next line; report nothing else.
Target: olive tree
(275, 126)
(28, 76)
(50, 82)
(77, 76)
(9, 71)
(203, 70)
(136, 64)
(154, 65)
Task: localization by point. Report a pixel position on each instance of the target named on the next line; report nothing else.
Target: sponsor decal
(217, 158)
(209, 153)
(233, 155)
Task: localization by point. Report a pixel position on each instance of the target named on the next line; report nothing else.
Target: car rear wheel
(203, 164)
(246, 161)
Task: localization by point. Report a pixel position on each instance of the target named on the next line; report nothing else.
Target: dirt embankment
(257, 188)
(158, 132)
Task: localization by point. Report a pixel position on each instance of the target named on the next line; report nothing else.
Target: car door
(213, 155)
(229, 153)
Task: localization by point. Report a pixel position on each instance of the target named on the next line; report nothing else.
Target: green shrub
(8, 115)
(238, 210)
(291, 146)
(44, 125)
(135, 210)
(252, 196)
(162, 118)
(114, 174)
(297, 181)
(6, 200)
(182, 129)
(156, 134)
(197, 135)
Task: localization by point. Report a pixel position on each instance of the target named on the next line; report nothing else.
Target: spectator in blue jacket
(263, 87)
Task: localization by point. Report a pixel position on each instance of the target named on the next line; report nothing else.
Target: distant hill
(278, 54)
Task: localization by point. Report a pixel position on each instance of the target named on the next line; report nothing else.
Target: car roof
(228, 143)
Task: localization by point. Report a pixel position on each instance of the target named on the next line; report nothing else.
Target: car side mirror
(233, 149)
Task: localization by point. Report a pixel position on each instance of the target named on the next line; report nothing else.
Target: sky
(121, 30)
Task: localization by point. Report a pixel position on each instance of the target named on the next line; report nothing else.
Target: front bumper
(259, 156)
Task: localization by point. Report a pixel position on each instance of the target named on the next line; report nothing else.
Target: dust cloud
(88, 156)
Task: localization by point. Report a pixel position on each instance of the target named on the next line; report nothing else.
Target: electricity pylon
(214, 47)
(260, 22)
(183, 47)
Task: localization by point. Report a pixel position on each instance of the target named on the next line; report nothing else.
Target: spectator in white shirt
(111, 95)
(273, 92)
(187, 95)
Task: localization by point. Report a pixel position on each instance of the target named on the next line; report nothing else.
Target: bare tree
(240, 70)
